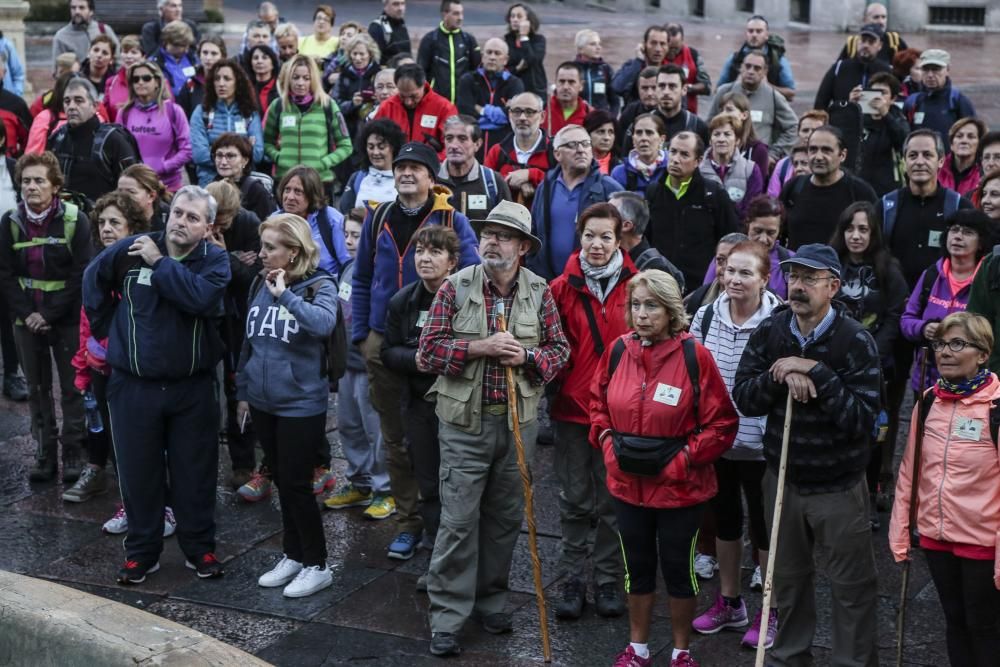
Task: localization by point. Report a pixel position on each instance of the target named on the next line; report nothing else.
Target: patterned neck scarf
(955, 390)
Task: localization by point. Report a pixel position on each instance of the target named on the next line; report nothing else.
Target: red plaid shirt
(443, 354)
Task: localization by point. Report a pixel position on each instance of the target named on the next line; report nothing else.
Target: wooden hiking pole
(772, 553)
(529, 501)
(918, 445)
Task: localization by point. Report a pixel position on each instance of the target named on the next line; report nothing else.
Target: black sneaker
(609, 601)
(207, 566)
(574, 597)
(15, 388)
(498, 624)
(444, 644)
(134, 572)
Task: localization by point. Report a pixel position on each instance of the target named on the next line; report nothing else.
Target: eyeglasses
(145, 78)
(227, 157)
(576, 145)
(808, 281)
(497, 234)
(955, 345)
(527, 113)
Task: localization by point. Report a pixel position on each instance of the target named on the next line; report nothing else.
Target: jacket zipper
(944, 473)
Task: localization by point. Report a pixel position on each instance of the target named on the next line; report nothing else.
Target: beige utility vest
(459, 398)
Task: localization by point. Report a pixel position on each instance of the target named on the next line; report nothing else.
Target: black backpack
(336, 348)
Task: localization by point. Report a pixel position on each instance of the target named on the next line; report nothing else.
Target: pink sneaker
(628, 658)
(720, 616)
(752, 636)
(684, 660)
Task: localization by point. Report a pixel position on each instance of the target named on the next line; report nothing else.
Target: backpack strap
(690, 121)
(490, 181)
(325, 231)
(694, 375)
(927, 284)
(952, 200)
(995, 421)
(890, 202)
(785, 166)
(706, 321)
(617, 350)
(378, 222)
(595, 331)
(926, 401)
(631, 180)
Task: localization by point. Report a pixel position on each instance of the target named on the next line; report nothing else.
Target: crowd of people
(206, 244)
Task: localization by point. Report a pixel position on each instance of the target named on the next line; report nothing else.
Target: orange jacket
(958, 494)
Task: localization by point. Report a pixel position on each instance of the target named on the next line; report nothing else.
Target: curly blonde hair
(664, 289)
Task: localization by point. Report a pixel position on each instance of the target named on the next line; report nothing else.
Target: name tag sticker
(666, 394)
(934, 239)
(288, 121)
(188, 71)
(422, 318)
(600, 87)
(756, 115)
(345, 292)
(240, 127)
(145, 276)
(428, 121)
(283, 314)
(918, 118)
(968, 429)
(477, 201)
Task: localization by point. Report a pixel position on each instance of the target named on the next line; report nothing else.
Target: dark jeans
(160, 427)
(290, 445)
(99, 444)
(241, 445)
(971, 606)
(425, 453)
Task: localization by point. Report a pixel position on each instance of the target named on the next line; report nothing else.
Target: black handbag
(639, 455)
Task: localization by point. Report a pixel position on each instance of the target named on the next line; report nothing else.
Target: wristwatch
(529, 357)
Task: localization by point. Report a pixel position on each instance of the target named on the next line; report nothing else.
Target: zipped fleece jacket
(626, 402)
(164, 139)
(569, 290)
(380, 272)
(830, 440)
(160, 320)
(597, 89)
(425, 123)
(279, 371)
(292, 138)
(621, 172)
(445, 55)
(958, 497)
(207, 126)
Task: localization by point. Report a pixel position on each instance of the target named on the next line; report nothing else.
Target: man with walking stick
(485, 320)
(830, 365)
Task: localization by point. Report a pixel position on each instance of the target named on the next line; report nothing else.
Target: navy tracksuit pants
(160, 427)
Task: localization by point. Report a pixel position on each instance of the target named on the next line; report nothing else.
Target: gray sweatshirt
(72, 38)
(280, 366)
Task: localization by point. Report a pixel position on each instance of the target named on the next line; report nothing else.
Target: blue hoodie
(622, 171)
(164, 325)
(207, 127)
(280, 364)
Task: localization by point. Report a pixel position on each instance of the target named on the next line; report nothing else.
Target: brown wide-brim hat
(515, 216)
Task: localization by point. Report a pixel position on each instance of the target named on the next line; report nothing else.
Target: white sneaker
(705, 566)
(117, 524)
(309, 580)
(169, 523)
(281, 574)
(756, 583)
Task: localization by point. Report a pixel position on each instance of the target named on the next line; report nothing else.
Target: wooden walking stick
(918, 445)
(772, 553)
(529, 501)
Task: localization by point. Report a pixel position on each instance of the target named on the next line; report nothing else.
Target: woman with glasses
(957, 513)
(322, 43)
(944, 287)
(229, 106)
(158, 124)
(233, 158)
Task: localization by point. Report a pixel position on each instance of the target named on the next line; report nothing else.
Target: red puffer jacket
(428, 118)
(569, 290)
(636, 401)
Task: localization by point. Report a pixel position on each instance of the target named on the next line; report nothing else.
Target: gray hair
(729, 239)
(83, 84)
(257, 23)
(556, 143)
(160, 4)
(464, 120)
(925, 132)
(633, 207)
(200, 194)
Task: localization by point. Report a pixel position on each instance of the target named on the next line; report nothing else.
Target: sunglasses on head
(145, 78)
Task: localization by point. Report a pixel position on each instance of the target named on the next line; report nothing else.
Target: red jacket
(966, 186)
(428, 118)
(569, 289)
(502, 157)
(626, 403)
(83, 361)
(554, 119)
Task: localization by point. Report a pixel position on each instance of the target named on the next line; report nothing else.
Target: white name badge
(145, 276)
(968, 429)
(188, 71)
(600, 87)
(288, 121)
(240, 127)
(428, 121)
(666, 394)
(283, 314)
(477, 201)
(422, 318)
(934, 239)
(918, 118)
(756, 115)
(345, 292)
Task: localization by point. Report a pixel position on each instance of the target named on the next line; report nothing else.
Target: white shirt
(524, 156)
(8, 196)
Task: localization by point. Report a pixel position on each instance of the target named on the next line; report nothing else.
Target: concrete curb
(43, 623)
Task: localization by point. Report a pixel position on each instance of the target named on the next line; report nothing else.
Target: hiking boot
(404, 546)
(323, 480)
(258, 488)
(574, 597)
(720, 615)
(348, 496)
(381, 507)
(15, 387)
(705, 566)
(309, 580)
(752, 635)
(118, 523)
(207, 566)
(445, 644)
(72, 464)
(134, 572)
(609, 601)
(628, 658)
(92, 482)
(285, 571)
(239, 477)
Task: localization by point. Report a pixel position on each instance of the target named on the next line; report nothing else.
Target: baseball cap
(873, 29)
(415, 151)
(937, 57)
(815, 256)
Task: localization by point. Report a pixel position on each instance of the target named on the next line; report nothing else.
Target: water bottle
(94, 421)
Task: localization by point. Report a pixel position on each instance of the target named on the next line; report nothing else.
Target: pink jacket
(116, 93)
(958, 497)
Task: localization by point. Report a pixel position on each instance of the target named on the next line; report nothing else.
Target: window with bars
(745, 6)
(961, 16)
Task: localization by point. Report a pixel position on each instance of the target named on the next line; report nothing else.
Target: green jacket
(317, 139)
(984, 299)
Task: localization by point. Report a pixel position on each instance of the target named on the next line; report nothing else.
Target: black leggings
(8, 349)
(971, 606)
(728, 504)
(671, 533)
(290, 445)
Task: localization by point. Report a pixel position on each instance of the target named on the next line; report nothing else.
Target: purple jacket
(940, 303)
(776, 283)
(163, 137)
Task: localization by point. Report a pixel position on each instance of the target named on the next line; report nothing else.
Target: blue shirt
(562, 218)
(820, 329)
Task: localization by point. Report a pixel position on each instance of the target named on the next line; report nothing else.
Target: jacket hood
(633, 160)
(768, 303)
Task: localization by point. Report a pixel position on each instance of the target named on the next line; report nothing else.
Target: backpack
(490, 180)
(336, 346)
(917, 99)
(261, 178)
(890, 207)
(928, 400)
(16, 132)
(71, 213)
(97, 155)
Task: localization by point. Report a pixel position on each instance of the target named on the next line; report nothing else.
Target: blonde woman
(280, 386)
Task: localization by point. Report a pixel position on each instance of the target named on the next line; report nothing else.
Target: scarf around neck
(955, 390)
(595, 274)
